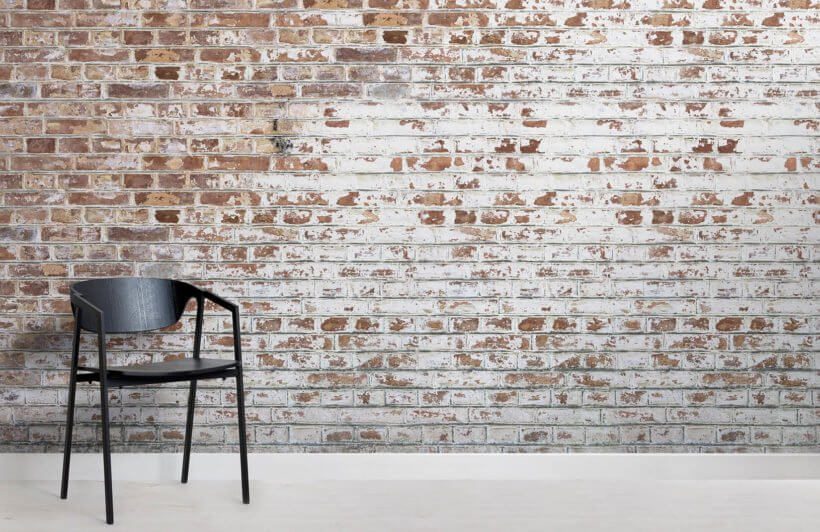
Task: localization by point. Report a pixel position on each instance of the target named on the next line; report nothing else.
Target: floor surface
(388, 506)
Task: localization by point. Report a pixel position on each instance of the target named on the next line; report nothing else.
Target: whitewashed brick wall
(472, 225)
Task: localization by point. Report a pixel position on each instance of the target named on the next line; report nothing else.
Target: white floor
(388, 506)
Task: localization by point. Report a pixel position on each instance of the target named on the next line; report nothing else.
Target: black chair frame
(90, 317)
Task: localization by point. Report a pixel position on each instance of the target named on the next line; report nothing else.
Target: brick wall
(492, 225)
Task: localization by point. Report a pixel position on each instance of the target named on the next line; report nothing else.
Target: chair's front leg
(189, 420)
(84, 305)
(243, 444)
(72, 390)
(240, 389)
(240, 404)
(109, 498)
(189, 428)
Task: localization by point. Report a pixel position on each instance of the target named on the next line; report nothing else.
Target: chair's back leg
(72, 390)
(189, 427)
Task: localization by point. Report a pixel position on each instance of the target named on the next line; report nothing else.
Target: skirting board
(316, 467)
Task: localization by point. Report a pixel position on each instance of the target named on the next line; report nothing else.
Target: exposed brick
(137, 234)
(464, 225)
(41, 145)
(138, 90)
(365, 55)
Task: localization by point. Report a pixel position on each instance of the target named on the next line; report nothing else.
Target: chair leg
(243, 445)
(109, 502)
(69, 425)
(189, 428)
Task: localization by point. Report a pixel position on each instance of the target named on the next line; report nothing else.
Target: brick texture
(473, 225)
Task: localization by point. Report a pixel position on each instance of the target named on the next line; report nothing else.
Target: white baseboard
(318, 467)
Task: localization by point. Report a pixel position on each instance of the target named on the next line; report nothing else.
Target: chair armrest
(234, 308)
(87, 306)
(83, 305)
(224, 303)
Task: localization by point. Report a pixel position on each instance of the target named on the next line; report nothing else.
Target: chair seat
(181, 369)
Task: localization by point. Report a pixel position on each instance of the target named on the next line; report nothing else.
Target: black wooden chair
(128, 305)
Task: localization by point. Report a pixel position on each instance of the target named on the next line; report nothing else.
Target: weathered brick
(366, 55)
(137, 234)
(477, 224)
(138, 90)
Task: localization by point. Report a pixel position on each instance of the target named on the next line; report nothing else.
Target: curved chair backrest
(133, 304)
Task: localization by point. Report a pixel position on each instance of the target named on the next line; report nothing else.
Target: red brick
(137, 234)
(472, 225)
(40, 145)
(365, 55)
(138, 90)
